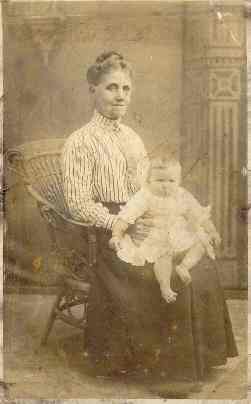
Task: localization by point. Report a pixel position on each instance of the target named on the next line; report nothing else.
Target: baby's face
(163, 185)
(164, 179)
(171, 185)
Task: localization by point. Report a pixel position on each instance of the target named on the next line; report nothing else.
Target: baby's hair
(164, 162)
(106, 62)
(168, 163)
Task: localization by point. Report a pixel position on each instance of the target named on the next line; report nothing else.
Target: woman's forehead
(116, 76)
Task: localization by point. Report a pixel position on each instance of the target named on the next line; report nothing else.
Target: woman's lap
(130, 325)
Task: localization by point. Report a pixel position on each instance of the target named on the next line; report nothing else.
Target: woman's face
(113, 94)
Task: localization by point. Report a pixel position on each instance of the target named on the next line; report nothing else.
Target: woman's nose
(120, 94)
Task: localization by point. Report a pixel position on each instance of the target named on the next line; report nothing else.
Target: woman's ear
(92, 89)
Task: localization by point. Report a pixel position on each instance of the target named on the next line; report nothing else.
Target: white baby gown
(177, 226)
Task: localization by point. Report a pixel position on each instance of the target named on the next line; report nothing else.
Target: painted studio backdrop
(190, 79)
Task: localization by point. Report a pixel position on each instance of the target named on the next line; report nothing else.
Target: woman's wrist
(111, 220)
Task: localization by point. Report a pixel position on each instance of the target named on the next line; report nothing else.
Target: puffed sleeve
(137, 157)
(77, 168)
(143, 163)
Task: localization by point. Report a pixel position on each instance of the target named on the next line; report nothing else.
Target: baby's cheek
(168, 188)
(173, 187)
(131, 161)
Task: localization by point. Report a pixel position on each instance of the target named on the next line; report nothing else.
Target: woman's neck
(104, 117)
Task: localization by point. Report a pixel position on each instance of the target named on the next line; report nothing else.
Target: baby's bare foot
(183, 274)
(169, 295)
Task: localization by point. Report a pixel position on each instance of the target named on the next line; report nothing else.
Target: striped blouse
(101, 162)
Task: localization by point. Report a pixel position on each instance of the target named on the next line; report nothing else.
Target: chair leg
(85, 308)
(51, 319)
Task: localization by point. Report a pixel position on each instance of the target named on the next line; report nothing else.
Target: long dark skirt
(131, 327)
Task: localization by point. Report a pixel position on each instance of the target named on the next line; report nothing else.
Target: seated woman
(130, 326)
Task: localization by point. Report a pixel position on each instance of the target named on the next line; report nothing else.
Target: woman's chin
(118, 116)
(113, 116)
(118, 112)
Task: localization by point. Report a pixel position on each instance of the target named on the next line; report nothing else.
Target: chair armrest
(15, 162)
(50, 206)
(92, 246)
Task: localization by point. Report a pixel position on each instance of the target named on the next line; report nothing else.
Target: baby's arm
(200, 217)
(134, 209)
(210, 228)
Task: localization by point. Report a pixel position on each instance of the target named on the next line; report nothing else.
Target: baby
(180, 226)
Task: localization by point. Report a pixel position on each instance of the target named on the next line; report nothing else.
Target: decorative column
(214, 129)
(46, 33)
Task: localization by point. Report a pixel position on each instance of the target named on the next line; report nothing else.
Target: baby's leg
(163, 271)
(192, 257)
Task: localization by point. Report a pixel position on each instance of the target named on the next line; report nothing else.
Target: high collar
(111, 125)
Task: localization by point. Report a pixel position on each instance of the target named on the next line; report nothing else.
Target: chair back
(39, 165)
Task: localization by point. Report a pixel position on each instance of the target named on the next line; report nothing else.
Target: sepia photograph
(125, 200)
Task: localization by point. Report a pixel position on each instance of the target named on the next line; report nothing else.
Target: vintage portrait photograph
(125, 208)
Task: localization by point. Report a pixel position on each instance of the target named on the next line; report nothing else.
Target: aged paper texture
(125, 210)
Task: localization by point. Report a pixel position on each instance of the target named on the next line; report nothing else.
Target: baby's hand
(115, 243)
(210, 228)
(216, 239)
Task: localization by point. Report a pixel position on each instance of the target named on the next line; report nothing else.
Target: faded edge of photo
(119, 401)
(1, 203)
(248, 30)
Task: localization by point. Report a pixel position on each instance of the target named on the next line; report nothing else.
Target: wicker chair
(74, 243)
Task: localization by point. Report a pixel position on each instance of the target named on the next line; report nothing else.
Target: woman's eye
(112, 87)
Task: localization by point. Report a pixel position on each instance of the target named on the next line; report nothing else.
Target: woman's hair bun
(107, 55)
(106, 62)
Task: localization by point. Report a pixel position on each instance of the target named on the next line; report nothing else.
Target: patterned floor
(46, 373)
